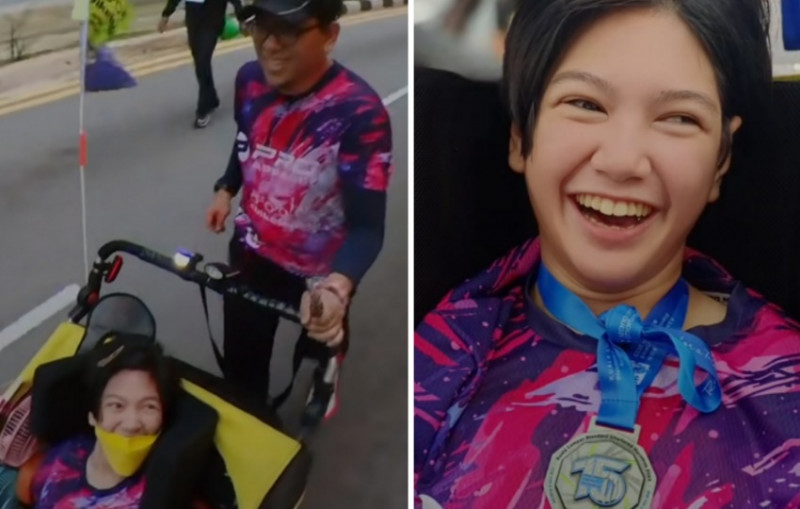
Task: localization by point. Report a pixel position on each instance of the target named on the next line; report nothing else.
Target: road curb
(355, 6)
(65, 88)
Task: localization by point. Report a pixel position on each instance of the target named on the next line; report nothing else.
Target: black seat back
(117, 312)
(468, 205)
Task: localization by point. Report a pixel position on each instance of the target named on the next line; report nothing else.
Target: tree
(16, 39)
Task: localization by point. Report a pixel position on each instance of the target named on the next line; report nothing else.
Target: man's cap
(294, 12)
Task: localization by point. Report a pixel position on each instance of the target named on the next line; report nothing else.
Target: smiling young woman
(605, 364)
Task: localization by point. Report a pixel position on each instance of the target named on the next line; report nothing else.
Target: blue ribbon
(630, 352)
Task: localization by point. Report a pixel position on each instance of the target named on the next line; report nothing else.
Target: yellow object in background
(108, 19)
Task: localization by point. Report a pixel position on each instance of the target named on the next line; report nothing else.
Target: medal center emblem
(601, 479)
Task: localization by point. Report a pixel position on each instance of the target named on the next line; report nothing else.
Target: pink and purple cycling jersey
(60, 483)
(298, 155)
(500, 387)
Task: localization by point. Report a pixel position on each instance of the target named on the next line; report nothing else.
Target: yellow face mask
(125, 454)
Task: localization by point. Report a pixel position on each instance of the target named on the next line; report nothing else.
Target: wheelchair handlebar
(146, 255)
(183, 264)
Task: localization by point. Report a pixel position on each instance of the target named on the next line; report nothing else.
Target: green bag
(231, 29)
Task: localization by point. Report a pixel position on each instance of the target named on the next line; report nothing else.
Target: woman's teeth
(614, 208)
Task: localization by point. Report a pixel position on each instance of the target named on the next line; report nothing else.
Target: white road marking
(38, 315)
(394, 96)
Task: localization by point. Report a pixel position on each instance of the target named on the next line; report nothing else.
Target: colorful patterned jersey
(297, 154)
(500, 387)
(60, 483)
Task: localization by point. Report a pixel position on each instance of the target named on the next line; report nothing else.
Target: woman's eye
(682, 120)
(585, 105)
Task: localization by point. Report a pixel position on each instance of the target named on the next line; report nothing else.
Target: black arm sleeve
(169, 9)
(232, 179)
(365, 214)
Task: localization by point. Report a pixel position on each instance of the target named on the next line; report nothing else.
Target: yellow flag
(108, 19)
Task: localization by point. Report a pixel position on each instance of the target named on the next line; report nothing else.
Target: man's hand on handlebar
(333, 293)
(219, 211)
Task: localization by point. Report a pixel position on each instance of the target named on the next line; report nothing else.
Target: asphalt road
(150, 180)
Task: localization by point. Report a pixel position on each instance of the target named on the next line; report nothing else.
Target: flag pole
(81, 13)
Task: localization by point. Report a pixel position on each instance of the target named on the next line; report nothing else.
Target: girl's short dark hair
(135, 353)
(734, 34)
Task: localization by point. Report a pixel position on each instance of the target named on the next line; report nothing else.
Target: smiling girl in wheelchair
(131, 389)
(604, 363)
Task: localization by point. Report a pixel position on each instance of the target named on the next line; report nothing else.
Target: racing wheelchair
(221, 450)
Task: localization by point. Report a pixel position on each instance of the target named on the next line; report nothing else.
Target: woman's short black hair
(128, 352)
(734, 34)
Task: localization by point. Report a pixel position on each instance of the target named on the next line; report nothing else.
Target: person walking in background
(205, 20)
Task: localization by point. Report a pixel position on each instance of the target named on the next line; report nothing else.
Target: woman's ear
(728, 131)
(515, 158)
(92, 421)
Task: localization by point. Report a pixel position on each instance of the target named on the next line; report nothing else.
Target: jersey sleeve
(47, 467)
(365, 166)
(760, 375)
(365, 153)
(448, 370)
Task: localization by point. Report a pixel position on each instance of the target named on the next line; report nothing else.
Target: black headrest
(59, 400)
(754, 229)
(118, 312)
(181, 455)
(470, 208)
